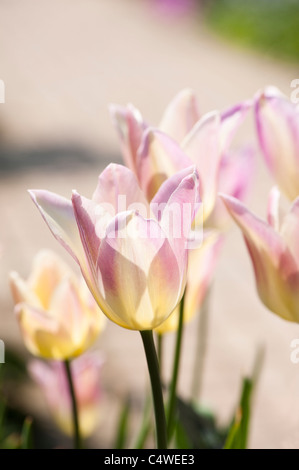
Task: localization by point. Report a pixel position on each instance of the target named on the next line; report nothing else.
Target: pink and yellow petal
(159, 157)
(275, 268)
(180, 115)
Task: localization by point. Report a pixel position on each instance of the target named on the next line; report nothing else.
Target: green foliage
(122, 429)
(238, 433)
(197, 429)
(271, 26)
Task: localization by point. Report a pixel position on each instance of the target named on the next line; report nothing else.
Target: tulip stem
(160, 353)
(77, 439)
(171, 410)
(200, 349)
(154, 372)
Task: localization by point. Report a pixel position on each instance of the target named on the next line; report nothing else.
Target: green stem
(77, 438)
(200, 350)
(175, 372)
(154, 372)
(160, 353)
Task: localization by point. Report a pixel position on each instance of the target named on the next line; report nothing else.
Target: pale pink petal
(237, 169)
(273, 208)
(207, 142)
(130, 126)
(202, 145)
(175, 206)
(159, 157)
(58, 214)
(290, 229)
(118, 190)
(277, 122)
(275, 268)
(90, 227)
(180, 115)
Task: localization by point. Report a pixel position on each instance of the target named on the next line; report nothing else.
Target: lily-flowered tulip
(58, 316)
(201, 267)
(51, 377)
(183, 138)
(133, 255)
(274, 250)
(277, 120)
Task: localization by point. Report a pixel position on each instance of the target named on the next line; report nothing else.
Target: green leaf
(181, 438)
(122, 430)
(199, 427)
(26, 436)
(237, 437)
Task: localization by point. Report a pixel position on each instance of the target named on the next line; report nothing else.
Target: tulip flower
(201, 267)
(274, 251)
(277, 121)
(57, 315)
(133, 255)
(182, 139)
(51, 377)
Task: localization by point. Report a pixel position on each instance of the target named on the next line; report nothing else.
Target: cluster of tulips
(147, 244)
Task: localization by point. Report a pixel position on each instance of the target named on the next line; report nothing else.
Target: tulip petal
(290, 229)
(202, 145)
(180, 115)
(118, 190)
(206, 143)
(159, 157)
(130, 126)
(277, 122)
(235, 178)
(201, 266)
(140, 274)
(273, 208)
(58, 214)
(175, 206)
(42, 334)
(21, 292)
(47, 273)
(275, 269)
(89, 222)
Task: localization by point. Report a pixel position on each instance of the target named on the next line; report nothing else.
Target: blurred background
(63, 62)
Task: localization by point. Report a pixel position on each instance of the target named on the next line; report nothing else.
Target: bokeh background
(63, 62)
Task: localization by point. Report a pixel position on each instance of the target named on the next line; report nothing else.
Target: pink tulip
(57, 315)
(183, 139)
(133, 255)
(51, 377)
(274, 250)
(277, 120)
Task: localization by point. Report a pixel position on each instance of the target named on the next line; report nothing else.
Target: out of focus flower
(133, 255)
(52, 379)
(274, 250)
(58, 316)
(173, 8)
(201, 267)
(183, 139)
(277, 120)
